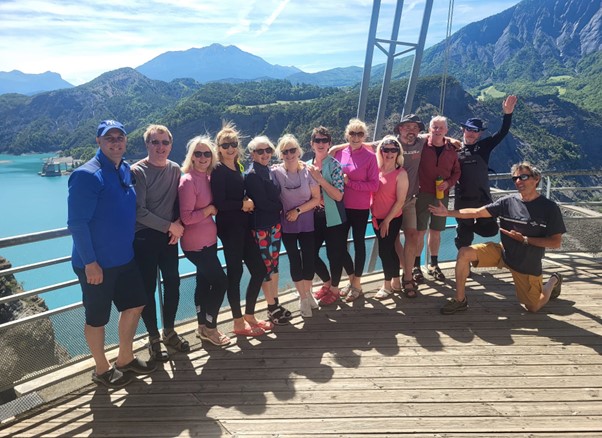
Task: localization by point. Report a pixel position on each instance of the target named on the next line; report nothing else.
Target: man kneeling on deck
(529, 223)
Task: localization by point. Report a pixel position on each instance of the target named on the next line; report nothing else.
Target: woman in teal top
(329, 216)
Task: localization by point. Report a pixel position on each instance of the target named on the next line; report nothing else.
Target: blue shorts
(121, 285)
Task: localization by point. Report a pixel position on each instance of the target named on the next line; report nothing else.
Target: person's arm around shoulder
(401, 192)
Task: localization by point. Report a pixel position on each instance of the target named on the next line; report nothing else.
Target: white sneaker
(312, 302)
(305, 307)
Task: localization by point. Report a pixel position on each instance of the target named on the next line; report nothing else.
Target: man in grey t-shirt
(158, 229)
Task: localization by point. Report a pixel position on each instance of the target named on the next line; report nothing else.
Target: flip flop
(266, 326)
(250, 331)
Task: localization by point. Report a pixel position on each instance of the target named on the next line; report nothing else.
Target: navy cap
(106, 125)
(473, 125)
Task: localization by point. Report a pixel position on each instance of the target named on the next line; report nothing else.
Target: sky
(81, 39)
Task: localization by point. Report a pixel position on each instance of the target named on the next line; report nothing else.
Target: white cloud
(84, 38)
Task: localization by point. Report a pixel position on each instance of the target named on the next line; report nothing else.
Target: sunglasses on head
(522, 177)
(321, 140)
(233, 144)
(158, 142)
(263, 151)
(199, 154)
(358, 134)
(289, 151)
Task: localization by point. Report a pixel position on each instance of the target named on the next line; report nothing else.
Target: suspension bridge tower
(389, 48)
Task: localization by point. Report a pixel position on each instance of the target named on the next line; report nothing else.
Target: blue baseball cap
(106, 125)
(473, 125)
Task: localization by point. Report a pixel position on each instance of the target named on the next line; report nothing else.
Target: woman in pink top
(360, 172)
(387, 203)
(199, 241)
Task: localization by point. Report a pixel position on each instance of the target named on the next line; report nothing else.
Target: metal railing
(40, 342)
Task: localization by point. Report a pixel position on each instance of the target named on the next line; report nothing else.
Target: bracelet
(525, 240)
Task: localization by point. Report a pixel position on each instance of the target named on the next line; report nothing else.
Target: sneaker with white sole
(305, 307)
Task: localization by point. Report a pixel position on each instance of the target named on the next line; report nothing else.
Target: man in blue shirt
(101, 218)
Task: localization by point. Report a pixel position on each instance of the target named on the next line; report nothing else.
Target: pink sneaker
(324, 290)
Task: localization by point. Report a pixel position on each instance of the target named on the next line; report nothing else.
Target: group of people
(126, 224)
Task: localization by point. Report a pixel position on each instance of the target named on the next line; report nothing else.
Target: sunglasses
(358, 134)
(263, 151)
(321, 140)
(522, 177)
(158, 142)
(233, 144)
(471, 130)
(389, 150)
(289, 151)
(199, 154)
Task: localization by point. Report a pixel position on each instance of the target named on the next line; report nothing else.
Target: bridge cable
(450, 15)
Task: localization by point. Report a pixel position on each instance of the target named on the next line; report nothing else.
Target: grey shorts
(409, 214)
(423, 215)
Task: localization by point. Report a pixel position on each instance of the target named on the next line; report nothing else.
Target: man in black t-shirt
(472, 189)
(529, 223)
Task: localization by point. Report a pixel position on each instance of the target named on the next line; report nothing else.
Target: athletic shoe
(452, 306)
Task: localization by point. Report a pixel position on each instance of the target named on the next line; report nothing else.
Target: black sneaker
(435, 272)
(417, 275)
(556, 289)
(138, 366)
(112, 378)
(452, 306)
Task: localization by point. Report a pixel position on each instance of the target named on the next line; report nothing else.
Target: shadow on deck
(371, 368)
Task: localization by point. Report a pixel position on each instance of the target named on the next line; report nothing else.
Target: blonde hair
(385, 141)
(187, 164)
(228, 134)
(156, 128)
(356, 124)
(289, 139)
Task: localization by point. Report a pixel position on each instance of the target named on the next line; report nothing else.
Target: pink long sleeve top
(361, 169)
(194, 194)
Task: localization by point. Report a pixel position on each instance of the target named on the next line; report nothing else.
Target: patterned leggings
(269, 241)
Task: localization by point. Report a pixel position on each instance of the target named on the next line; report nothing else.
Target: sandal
(383, 294)
(278, 317)
(417, 275)
(344, 291)
(176, 342)
(556, 289)
(354, 294)
(287, 313)
(412, 290)
(216, 338)
(155, 351)
(250, 331)
(329, 299)
(435, 272)
(266, 326)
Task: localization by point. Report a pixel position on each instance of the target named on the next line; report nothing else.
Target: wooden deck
(374, 369)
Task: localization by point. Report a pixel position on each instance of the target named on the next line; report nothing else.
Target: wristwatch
(525, 240)
(298, 210)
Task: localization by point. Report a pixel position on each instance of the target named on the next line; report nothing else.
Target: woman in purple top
(299, 194)
(361, 179)
(199, 241)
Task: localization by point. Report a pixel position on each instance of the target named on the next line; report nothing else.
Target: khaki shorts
(528, 287)
(423, 215)
(409, 214)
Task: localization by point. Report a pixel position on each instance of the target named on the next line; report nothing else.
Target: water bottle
(438, 192)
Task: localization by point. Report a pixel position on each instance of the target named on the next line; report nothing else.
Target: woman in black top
(233, 229)
(262, 187)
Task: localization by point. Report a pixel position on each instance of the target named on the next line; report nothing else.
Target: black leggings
(357, 220)
(386, 248)
(239, 245)
(211, 284)
(151, 251)
(301, 261)
(336, 245)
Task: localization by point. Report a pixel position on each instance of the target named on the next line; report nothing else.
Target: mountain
(532, 40)
(336, 77)
(212, 63)
(68, 118)
(23, 83)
